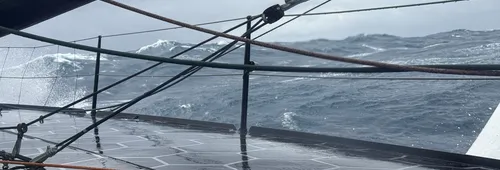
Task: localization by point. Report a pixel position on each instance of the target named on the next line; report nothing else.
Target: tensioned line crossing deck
(158, 146)
(131, 141)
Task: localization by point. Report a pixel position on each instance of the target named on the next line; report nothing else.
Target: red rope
(306, 53)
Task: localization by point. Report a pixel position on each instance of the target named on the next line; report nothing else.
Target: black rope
(200, 75)
(114, 75)
(81, 149)
(187, 62)
(8, 127)
(190, 71)
(242, 18)
(219, 54)
(196, 69)
(75, 137)
(377, 8)
(125, 79)
(278, 14)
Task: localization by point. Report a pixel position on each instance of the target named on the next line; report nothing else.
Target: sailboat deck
(158, 146)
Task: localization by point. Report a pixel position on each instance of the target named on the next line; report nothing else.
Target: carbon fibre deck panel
(165, 147)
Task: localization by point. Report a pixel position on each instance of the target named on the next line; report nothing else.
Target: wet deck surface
(163, 147)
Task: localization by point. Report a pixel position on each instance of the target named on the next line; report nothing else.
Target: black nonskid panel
(152, 141)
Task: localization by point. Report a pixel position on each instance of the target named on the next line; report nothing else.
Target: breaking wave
(412, 113)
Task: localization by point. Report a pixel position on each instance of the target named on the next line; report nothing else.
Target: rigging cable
(282, 24)
(379, 8)
(281, 75)
(218, 55)
(173, 28)
(260, 67)
(116, 75)
(122, 80)
(220, 65)
(149, 31)
(75, 70)
(84, 150)
(242, 18)
(234, 42)
(53, 84)
(76, 76)
(60, 146)
(127, 78)
(186, 73)
(190, 71)
(222, 54)
(294, 18)
(198, 69)
(4, 61)
(303, 52)
(21, 84)
(24, 73)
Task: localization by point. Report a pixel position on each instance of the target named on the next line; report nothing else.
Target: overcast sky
(99, 18)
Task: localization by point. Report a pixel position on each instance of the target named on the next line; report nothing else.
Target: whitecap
(373, 48)
(287, 121)
(185, 106)
(433, 45)
(157, 44)
(294, 79)
(222, 42)
(361, 54)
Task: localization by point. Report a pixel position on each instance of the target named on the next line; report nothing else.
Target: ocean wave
(412, 113)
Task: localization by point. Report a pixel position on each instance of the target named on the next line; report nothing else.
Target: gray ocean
(435, 114)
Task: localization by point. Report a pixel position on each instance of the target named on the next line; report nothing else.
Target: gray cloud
(99, 18)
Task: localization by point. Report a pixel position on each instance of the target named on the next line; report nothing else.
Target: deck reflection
(126, 144)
